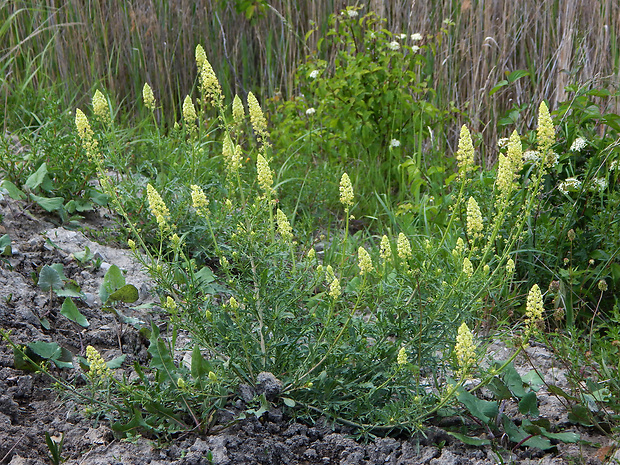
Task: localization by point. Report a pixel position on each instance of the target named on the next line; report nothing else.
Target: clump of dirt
(29, 407)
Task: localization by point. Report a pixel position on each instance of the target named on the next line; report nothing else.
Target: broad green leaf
(498, 86)
(70, 310)
(112, 281)
(5, 245)
(49, 279)
(533, 380)
(553, 389)
(513, 381)
(98, 197)
(205, 275)
(50, 351)
(48, 204)
(36, 178)
(127, 294)
(136, 422)
(289, 402)
(161, 358)
(528, 405)
(484, 410)
(498, 387)
(200, 366)
(517, 74)
(85, 256)
(116, 362)
(13, 190)
(469, 440)
(565, 436)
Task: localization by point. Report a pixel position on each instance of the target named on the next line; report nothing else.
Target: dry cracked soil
(29, 406)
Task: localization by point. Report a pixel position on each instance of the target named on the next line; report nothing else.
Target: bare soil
(29, 407)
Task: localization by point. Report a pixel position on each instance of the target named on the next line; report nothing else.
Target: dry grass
(122, 44)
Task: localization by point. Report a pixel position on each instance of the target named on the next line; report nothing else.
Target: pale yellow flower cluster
(100, 107)
(465, 348)
(459, 248)
(474, 219)
(265, 177)
(346, 191)
(147, 97)
(468, 268)
(284, 227)
(209, 85)
(515, 151)
(238, 112)
(201, 56)
(157, 206)
(259, 123)
(546, 135)
(233, 304)
(510, 266)
(199, 201)
(170, 304)
(97, 365)
(365, 262)
(335, 289)
(86, 135)
(189, 115)
(401, 358)
(465, 152)
(403, 248)
(533, 309)
(175, 242)
(386, 249)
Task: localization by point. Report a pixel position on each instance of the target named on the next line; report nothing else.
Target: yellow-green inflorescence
(265, 177)
(86, 135)
(147, 97)
(365, 262)
(97, 366)
(533, 310)
(100, 107)
(346, 192)
(401, 358)
(199, 201)
(259, 123)
(157, 207)
(468, 268)
(465, 152)
(474, 219)
(189, 115)
(403, 248)
(546, 135)
(209, 85)
(386, 249)
(465, 348)
(284, 227)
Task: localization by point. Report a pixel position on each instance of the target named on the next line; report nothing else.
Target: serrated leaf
(112, 281)
(484, 410)
(469, 440)
(127, 294)
(14, 192)
(36, 178)
(49, 279)
(528, 405)
(48, 204)
(70, 310)
(513, 381)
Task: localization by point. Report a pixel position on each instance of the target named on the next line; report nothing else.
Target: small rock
(268, 384)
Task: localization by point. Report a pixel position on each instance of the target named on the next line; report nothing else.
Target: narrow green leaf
(200, 366)
(161, 358)
(469, 440)
(70, 310)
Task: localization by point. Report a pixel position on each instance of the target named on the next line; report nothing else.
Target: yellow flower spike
(237, 157)
(465, 152)
(147, 97)
(201, 56)
(86, 135)
(209, 85)
(238, 111)
(157, 206)
(545, 130)
(335, 289)
(474, 219)
(311, 254)
(533, 309)
(510, 266)
(468, 268)
(459, 248)
(100, 107)
(403, 247)
(131, 244)
(98, 367)
(346, 191)
(401, 358)
(170, 304)
(505, 176)
(233, 304)
(515, 151)
(465, 348)
(386, 249)
(175, 242)
(199, 201)
(284, 227)
(329, 273)
(228, 151)
(265, 178)
(212, 377)
(365, 262)
(259, 123)
(189, 114)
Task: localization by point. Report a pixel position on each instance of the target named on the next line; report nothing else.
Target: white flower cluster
(417, 36)
(569, 184)
(394, 45)
(578, 144)
(599, 184)
(314, 74)
(531, 156)
(394, 143)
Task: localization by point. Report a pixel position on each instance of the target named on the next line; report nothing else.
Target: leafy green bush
(370, 112)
